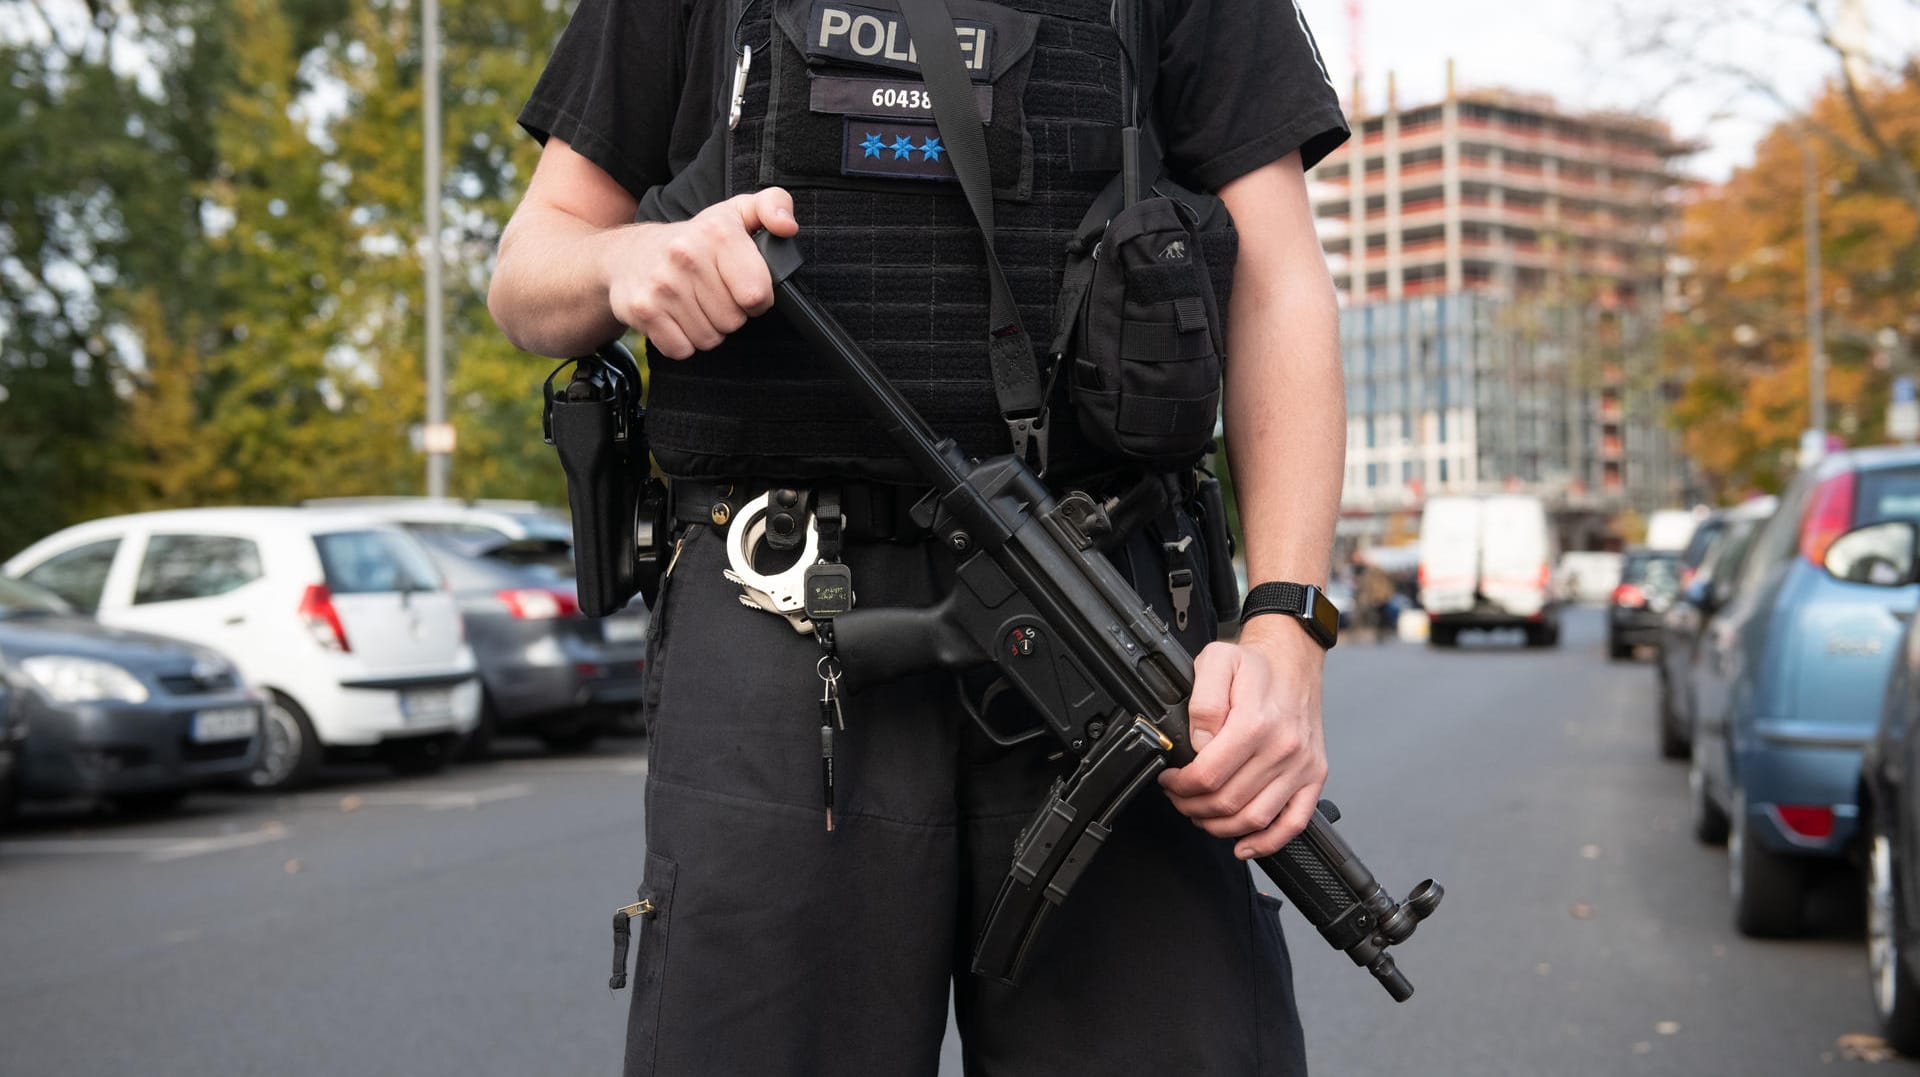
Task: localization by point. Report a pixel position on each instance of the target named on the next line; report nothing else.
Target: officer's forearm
(1285, 401)
(549, 288)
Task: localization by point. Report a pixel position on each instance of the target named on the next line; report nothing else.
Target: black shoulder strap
(1016, 377)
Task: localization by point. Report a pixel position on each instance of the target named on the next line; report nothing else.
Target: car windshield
(1652, 571)
(1890, 494)
(19, 599)
(374, 562)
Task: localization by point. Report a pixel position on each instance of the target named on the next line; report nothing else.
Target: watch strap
(1302, 601)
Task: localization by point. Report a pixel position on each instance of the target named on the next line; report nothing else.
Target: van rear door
(1515, 555)
(1449, 554)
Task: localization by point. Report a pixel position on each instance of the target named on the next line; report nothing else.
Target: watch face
(1323, 616)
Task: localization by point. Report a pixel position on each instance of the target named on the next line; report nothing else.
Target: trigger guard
(786, 588)
(978, 712)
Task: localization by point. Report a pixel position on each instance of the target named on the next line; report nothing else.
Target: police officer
(767, 944)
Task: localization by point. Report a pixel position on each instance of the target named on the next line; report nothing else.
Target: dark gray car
(134, 718)
(13, 745)
(545, 669)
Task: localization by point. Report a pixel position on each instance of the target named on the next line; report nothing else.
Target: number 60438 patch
(888, 98)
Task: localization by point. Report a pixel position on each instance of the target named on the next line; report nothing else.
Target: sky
(1586, 55)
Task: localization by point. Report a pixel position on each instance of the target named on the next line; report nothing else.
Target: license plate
(622, 629)
(227, 723)
(423, 706)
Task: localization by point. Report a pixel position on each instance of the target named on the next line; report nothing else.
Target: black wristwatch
(1303, 602)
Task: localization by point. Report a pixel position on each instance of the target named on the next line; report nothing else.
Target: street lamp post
(1816, 333)
(437, 440)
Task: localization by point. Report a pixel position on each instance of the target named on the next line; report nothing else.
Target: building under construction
(1503, 268)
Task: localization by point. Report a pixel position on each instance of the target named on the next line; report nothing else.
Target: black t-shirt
(636, 86)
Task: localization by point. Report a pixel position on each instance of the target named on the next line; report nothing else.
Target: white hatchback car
(340, 617)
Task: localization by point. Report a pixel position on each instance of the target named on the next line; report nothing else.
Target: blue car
(1890, 797)
(1788, 683)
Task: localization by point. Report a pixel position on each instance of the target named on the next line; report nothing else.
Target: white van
(1487, 562)
(342, 618)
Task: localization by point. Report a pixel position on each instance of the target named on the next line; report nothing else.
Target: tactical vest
(835, 112)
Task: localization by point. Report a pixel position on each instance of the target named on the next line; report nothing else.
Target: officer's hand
(1260, 760)
(686, 285)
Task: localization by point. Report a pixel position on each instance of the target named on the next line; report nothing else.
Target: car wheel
(1446, 636)
(289, 751)
(1896, 997)
(154, 802)
(572, 740)
(1769, 891)
(478, 745)
(1617, 651)
(1672, 744)
(1709, 822)
(419, 755)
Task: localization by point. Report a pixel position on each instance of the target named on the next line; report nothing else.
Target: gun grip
(881, 645)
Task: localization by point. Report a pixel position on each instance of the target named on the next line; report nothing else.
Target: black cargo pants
(776, 948)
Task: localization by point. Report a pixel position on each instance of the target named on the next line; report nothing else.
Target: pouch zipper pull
(622, 934)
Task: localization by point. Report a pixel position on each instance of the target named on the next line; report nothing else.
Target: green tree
(1741, 347)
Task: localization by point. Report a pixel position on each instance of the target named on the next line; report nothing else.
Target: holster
(620, 514)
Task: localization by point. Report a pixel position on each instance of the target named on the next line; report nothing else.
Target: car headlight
(71, 679)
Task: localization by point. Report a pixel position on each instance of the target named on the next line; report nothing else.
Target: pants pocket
(650, 966)
(1283, 1049)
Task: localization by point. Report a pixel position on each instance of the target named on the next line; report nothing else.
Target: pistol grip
(881, 645)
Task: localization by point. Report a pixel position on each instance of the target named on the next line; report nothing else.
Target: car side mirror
(1879, 555)
(1699, 595)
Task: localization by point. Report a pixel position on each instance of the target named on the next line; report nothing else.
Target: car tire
(1617, 651)
(1672, 744)
(572, 741)
(419, 755)
(289, 750)
(153, 802)
(1443, 636)
(1709, 822)
(1769, 891)
(477, 746)
(1896, 995)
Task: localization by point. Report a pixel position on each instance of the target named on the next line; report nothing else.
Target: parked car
(137, 719)
(1488, 563)
(544, 668)
(1884, 555)
(341, 618)
(13, 746)
(1649, 581)
(1789, 684)
(1587, 575)
(1718, 549)
(544, 535)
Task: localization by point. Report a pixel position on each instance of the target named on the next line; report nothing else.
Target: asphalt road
(459, 924)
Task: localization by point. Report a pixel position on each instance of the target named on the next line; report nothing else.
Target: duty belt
(872, 512)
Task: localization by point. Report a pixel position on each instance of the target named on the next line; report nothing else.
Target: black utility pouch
(1146, 342)
(619, 510)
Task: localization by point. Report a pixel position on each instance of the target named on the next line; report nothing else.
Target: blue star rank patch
(899, 149)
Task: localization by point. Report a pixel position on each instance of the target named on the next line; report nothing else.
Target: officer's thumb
(771, 209)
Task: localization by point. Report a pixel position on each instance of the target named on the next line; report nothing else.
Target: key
(826, 764)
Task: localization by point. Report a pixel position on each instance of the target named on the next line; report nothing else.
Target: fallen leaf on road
(1861, 1047)
(351, 802)
(1667, 1028)
(1543, 968)
(1590, 852)
(293, 867)
(1643, 1047)
(1581, 911)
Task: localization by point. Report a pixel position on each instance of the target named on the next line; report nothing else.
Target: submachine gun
(1035, 600)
